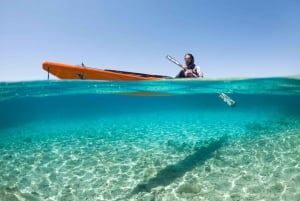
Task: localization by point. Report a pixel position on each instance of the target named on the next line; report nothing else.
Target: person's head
(189, 59)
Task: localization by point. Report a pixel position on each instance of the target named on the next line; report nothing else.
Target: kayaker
(190, 70)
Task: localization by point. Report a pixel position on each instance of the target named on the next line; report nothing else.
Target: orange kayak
(65, 71)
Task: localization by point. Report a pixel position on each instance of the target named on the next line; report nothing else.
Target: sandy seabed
(106, 161)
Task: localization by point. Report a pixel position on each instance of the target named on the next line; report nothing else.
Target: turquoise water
(162, 140)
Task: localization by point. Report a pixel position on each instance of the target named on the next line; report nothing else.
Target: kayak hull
(66, 71)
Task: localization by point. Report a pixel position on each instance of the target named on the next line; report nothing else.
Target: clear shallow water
(86, 140)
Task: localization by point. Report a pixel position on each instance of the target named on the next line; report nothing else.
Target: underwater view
(150, 140)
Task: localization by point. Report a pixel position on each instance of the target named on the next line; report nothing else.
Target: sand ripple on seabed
(263, 166)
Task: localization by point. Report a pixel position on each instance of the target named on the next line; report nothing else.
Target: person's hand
(184, 68)
(188, 73)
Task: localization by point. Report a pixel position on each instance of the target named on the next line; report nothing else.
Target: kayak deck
(66, 71)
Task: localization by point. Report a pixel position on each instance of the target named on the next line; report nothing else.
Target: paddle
(221, 95)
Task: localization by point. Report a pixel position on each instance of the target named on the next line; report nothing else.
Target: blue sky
(229, 38)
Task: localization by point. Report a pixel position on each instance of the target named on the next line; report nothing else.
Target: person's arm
(198, 71)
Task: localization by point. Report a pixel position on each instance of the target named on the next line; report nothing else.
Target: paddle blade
(227, 100)
(173, 60)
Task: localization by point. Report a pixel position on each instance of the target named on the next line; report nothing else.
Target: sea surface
(150, 140)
